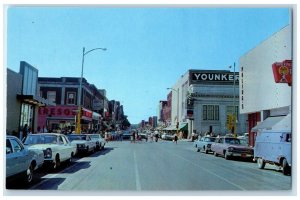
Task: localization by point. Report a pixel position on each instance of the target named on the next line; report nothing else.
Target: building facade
(262, 99)
(203, 100)
(64, 92)
(23, 100)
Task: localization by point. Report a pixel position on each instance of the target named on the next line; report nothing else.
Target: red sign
(283, 72)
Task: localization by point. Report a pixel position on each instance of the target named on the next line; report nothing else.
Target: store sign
(97, 104)
(283, 71)
(215, 77)
(58, 111)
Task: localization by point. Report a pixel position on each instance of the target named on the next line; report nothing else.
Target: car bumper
(242, 155)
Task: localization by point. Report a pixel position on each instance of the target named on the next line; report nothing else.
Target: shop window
(71, 98)
(51, 96)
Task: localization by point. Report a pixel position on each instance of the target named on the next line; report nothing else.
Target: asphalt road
(160, 167)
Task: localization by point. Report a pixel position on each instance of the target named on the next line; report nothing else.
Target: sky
(148, 48)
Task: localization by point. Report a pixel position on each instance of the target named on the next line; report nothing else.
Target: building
(203, 101)
(64, 92)
(264, 101)
(23, 100)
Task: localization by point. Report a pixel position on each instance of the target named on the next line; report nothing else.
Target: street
(161, 166)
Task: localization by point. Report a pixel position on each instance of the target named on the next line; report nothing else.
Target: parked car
(56, 148)
(166, 136)
(231, 147)
(274, 148)
(83, 142)
(100, 141)
(204, 144)
(20, 161)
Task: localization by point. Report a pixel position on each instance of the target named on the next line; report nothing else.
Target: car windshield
(244, 142)
(40, 139)
(76, 137)
(209, 139)
(232, 141)
(94, 136)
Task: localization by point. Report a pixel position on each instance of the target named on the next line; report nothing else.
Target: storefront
(63, 118)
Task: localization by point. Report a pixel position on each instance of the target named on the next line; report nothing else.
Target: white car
(20, 161)
(56, 147)
(100, 141)
(83, 142)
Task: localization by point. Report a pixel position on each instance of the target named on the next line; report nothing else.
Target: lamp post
(234, 117)
(177, 122)
(78, 125)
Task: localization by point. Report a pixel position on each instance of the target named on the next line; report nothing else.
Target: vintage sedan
(20, 161)
(56, 147)
(100, 141)
(204, 144)
(231, 147)
(83, 142)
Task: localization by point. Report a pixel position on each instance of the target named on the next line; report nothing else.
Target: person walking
(25, 131)
(175, 139)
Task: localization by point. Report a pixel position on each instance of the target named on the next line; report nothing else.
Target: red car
(231, 147)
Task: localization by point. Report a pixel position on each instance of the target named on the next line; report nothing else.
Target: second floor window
(210, 112)
(51, 96)
(71, 98)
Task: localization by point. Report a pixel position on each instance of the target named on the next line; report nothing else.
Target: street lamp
(177, 123)
(78, 125)
(234, 117)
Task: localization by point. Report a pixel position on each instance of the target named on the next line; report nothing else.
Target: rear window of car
(208, 139)
(76, 137)
(232, 141)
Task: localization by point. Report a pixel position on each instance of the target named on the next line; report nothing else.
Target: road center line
(137, 176)
(220, 177)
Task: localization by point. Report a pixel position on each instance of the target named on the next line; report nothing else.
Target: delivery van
(274, 147)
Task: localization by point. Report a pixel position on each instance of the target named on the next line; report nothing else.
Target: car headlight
(81, 145)
(230, 149)
(48, 153)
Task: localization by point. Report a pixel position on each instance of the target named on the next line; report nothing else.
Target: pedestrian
(133, 136)
(25, 131)
(175, 138)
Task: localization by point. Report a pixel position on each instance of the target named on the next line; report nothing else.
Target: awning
(274, 123)
(182, 126)
(34, 100)
(170, 128)
(173, 127)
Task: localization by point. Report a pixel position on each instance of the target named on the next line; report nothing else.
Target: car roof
(57, 134)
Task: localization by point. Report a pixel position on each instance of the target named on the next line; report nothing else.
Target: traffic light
(229, 121)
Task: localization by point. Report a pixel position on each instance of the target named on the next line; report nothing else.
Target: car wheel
(261, 163)
(206, 151)
(70, 160)
(57, 162)
(215, 154)
(285, 167)
(226, 155)
(197, 149)
(29, 174)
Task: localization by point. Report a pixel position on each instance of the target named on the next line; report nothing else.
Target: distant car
(126, 135)
(83, 142)
(56, 147)
(20, 161)
(231, 147)
(204, 144)
(100, 141)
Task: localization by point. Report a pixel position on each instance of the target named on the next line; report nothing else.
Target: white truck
(274, 146)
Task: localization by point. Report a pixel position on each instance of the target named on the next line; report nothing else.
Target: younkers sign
(214, 77)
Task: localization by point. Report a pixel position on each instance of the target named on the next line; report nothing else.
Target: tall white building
(215, 96)
(264, 101)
